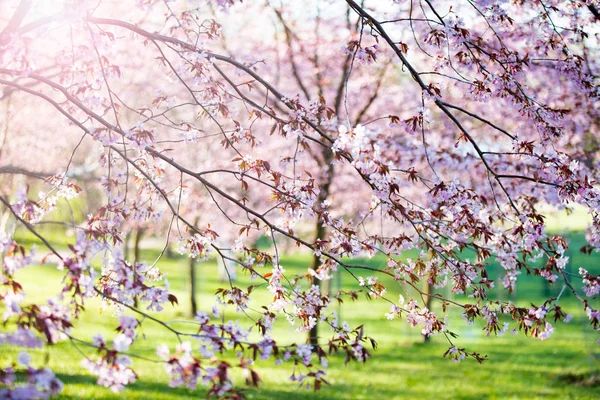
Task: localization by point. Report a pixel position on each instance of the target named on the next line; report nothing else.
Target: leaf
(173, 299)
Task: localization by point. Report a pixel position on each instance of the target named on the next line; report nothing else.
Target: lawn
(564, 366)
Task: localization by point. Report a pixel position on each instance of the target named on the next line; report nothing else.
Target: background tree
(349, 129)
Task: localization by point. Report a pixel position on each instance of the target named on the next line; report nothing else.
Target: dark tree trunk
(192, 277)
(320, 231)
(313, 337)
(136, 245)
(126, 246)
(193, 305)
(136, 256)
(427, 291)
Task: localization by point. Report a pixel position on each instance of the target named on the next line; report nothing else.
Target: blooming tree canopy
(351, 129)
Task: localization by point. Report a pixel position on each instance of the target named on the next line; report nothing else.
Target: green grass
(400, 368)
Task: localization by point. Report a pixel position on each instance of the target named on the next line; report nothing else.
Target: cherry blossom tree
(351, 129)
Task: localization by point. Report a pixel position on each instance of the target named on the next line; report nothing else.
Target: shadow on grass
(139, 390)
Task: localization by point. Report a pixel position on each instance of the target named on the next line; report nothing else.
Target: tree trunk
(193, 305)
(136, 257)
(192, 277)
(428, 291)
(126, 245)
(136, 245)
(313, 336)
(320, 231)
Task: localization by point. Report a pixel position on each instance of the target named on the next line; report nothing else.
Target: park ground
(566, 366)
